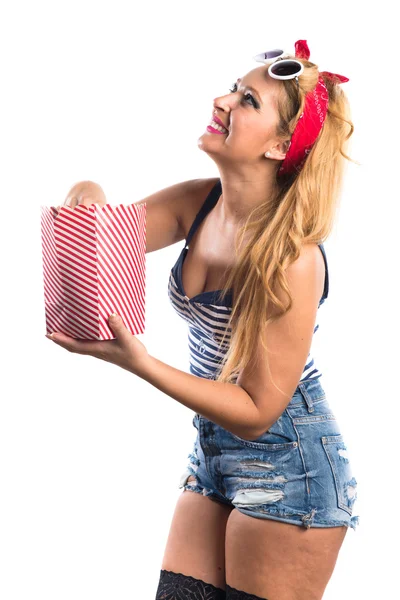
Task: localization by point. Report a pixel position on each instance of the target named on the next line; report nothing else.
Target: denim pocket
(262, 443)
(345, 483)
(280, 436)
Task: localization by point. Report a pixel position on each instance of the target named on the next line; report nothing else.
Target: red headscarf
(312, 118)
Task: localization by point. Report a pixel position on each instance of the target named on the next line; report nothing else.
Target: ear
(278, 152)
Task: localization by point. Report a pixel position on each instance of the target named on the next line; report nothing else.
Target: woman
(272, 488)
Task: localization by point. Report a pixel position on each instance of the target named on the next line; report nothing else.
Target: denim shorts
(297, 472)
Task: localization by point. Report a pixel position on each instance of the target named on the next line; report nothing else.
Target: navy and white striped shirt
(207, 316)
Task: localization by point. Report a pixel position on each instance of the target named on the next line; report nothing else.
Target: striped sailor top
(207, 316)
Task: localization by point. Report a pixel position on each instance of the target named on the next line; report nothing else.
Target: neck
(240, 195)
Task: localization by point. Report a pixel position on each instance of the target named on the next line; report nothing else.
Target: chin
(205, 144)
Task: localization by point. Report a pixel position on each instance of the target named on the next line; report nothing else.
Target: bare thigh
(280, 561)
(196, 539)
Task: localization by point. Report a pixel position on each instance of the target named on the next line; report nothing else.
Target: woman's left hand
(126, 350)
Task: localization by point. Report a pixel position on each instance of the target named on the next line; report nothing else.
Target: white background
(90, 455)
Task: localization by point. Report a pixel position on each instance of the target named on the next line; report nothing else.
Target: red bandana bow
(312, 118)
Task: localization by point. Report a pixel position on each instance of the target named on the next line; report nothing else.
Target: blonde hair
(302, 211)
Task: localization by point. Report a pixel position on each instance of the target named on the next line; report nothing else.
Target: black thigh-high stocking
(234, 594)
(176, 586)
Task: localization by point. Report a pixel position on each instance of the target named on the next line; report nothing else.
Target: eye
(247, 96)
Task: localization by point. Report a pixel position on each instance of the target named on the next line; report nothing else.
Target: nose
(227, 102)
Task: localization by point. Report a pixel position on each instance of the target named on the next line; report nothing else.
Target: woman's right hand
(85, 193)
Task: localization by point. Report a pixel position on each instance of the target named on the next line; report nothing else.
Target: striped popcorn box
(94, 264)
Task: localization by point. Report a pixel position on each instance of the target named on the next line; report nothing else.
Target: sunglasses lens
(272, 54)
(285, 68)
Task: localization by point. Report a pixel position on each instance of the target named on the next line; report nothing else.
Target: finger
(117, 326)
(76, 345)
(67, 345)
(87, 200)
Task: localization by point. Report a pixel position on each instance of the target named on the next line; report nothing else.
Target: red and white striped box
(94, 264)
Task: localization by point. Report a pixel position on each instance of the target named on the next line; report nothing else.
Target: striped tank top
(207, 316)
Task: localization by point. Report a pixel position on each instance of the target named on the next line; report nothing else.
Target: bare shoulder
(308, 271)
(310, 253)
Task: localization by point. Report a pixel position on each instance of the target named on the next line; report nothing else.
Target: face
(250, 114)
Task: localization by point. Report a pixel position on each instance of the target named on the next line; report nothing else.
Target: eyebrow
(252, 89)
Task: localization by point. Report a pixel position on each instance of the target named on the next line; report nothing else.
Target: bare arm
(251, 405)
(165, 210)
(226, 404)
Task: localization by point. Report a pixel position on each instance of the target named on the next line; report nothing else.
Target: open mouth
(217, 127)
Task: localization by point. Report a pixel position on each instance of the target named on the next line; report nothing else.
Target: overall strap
(208, 204)
(326, 285)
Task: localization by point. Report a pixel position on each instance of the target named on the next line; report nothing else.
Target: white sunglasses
(280, 68)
